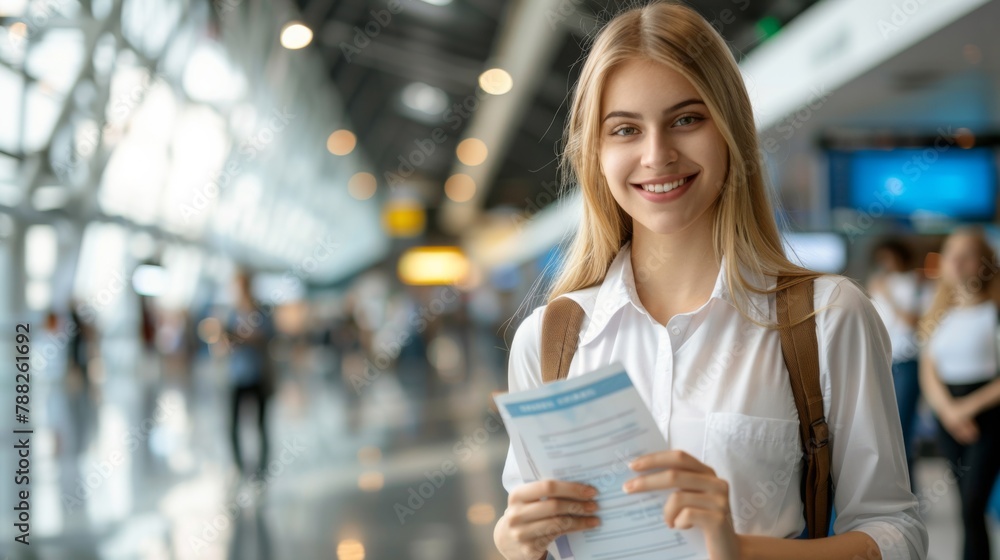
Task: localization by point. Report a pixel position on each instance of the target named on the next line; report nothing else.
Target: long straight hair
(744, 227)
(946, 292)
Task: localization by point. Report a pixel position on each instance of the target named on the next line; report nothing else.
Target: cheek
(614, 166)
(712, 156)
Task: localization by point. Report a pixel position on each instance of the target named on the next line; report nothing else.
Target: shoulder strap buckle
(819, 434)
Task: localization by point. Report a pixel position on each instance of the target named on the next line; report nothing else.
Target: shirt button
(675, 330)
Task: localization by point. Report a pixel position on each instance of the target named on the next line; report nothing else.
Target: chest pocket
(761, 459)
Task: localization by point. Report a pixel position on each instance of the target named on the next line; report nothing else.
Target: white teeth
(665, 187)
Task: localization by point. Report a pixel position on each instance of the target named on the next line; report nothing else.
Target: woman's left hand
(700, 499)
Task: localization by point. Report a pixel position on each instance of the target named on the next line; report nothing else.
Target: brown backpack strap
(560, 337)
(801, 353)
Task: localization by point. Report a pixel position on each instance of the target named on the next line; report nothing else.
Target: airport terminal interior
(379, 181)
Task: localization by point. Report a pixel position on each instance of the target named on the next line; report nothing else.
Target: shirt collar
(618, 290)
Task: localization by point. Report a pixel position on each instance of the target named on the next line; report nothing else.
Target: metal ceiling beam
(409, 59)
(526, 47)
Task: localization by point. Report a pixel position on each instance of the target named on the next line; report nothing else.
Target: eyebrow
(630, 115)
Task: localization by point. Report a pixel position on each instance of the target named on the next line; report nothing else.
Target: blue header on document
(575, 397)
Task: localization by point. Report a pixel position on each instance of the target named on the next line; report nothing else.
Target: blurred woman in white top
(896, 290)
(675, 264)
(958, 376)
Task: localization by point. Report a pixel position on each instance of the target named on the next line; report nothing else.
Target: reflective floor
(141, 468)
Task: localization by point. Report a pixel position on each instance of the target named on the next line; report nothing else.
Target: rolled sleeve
(523, 372)
(871, 483)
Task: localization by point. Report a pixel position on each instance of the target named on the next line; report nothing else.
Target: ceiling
(447, 47)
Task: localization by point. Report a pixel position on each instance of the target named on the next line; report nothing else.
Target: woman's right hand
(959, 423)
(538, 512)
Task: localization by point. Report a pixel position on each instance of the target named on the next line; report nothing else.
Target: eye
(687, 119)
(616, 131)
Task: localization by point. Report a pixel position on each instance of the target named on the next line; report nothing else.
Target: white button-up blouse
(717, 386)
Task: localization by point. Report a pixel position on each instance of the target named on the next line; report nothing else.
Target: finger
(522, 514)
(541, 533)
(681, 501)
(676, 478)
(708, 521)
(674, 459)
(549, 488)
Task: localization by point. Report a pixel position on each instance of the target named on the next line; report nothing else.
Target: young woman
(958, 375)
(675, 263)
(898, 294)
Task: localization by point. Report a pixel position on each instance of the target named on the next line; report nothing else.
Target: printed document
(587, 429)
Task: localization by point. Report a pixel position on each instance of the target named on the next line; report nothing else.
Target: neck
(965, 297)
(674, 273)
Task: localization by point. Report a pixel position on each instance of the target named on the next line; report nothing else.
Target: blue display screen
(952, 182)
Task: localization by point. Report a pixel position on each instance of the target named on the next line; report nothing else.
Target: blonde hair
(945, 295)
(745, 230)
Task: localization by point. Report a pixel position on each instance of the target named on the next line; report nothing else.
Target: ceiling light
(460, 187)
(404, 218)
(362, 185)
(350, 549)
(471, 151)
(295, 35)
(429, 266)
(438, 2)
(341, 142)
(496, 81)
(17, 33)
(424, 98)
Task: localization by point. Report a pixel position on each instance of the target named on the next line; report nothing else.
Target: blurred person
(249, 331)
(349, 342)
(661, 141)
(958, 376)
(81, 345)
(412, 333)
(896, 290)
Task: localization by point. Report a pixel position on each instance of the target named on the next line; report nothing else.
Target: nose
(658, 151)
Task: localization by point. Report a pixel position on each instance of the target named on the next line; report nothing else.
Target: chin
(663, 226)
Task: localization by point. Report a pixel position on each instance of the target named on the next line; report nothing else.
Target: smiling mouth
(666, 187)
